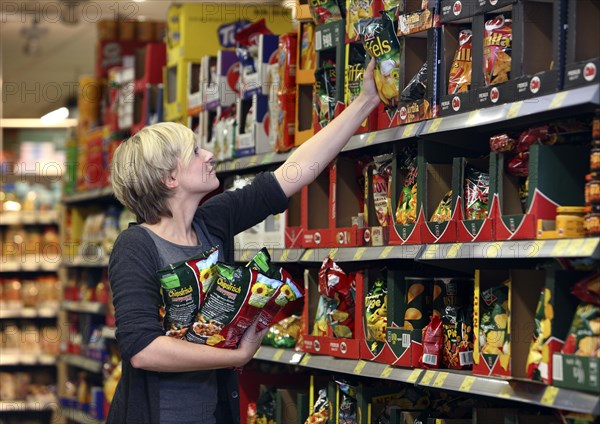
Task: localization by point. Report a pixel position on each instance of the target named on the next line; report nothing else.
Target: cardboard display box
(508, 360)
(556, 178)
(252, 130)
(344, 204)
(471, 230)
(175, 77)
(228, 77)
(330, 345)
(315, 212)
(194, 95)
(293, 223)
(209, 92)
(305, 79)
(576, 372)
(454, 10)
(583, 56)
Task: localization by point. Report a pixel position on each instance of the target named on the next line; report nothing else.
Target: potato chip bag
(321, 410)
(232, 303)
(287, 291)
(493, 324)
(497, 50)
(416, 89)
(357, 10)
(354, 72)
(287, 56)
(324, 11)
(443, 212)
(379, 38)
(432, 344)
(502, 143)
(184, 286)
(284, 333)
(588, 289)
(308, 56)
(460, 71)
(477, 188)
(543, 324)
(418, 302)
(382, 186)
(584, 334)
(325, 95)
(339, 292)
(376, 310)
(406, 211)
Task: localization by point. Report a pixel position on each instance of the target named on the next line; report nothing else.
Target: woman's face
(199, 176)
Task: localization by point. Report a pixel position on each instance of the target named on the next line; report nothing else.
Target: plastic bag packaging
(497, 50)
(443, 212)
(477, 188)
(416, 89)
(460, 71)
(376, 310)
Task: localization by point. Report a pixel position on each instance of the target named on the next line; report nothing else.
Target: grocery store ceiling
(47, 44)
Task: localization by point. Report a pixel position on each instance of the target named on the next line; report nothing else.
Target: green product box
(576, 372)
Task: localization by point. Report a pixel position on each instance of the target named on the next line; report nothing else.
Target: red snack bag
(502, 143)
(288, 45)
(588, 289)
(519, 165)
(382, 186)
(532, 136)
(338, 286)
(285, 121)
(432, 343)
(497, 50)
(460, 72)
(248, 36)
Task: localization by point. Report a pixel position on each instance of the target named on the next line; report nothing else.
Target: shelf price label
(549, 396)
(305, 359)
(435, 125)
(359, 253)
(360, 366)
(267, 158)
(431, 251)
(285, 255)
(467, 383)
(370, 138)
(333, 252)
(505, 391)
(308, 255)
(427, 378)
(589, 246)
(558, 100)
(296, 357)
(440, 379)
(277, 355)
(560, 248)
(387, 371)
(414, 375)
(453, 251)
(386, 252)
(514, 110)
(575, 247)
(253, 161)
(410, 131)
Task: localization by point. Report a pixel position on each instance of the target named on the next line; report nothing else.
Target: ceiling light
(55, 116)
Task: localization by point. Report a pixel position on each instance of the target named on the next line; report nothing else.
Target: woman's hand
(369, 90)
(250, 343)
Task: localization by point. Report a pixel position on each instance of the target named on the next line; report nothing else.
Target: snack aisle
(461, 218)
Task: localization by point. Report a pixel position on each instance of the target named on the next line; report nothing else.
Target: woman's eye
(196, 150)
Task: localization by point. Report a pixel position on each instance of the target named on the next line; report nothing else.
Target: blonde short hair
(141, 165)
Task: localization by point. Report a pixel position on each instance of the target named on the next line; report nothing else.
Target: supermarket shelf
(30, 263)
(26, 406)
(461, 381)
(79, 416)
(86, 196)
(521, 109)
(29, 218)
(249, 162)
(82, 362)
(84, 307)
(28, 312)
(109, 332)
(520, 391)
(83, 261)
(524, 249)
(349, 254)
(403, 132)
(29, 359)
(277, 255)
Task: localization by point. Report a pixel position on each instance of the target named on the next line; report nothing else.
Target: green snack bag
(183, 286)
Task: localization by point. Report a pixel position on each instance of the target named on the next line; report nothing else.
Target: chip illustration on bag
(460, 71)
(376, 311)
(497, 50)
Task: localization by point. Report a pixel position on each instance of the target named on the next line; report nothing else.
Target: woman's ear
(171, 181)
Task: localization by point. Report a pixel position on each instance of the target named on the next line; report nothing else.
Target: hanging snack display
(497, 50)
(324, 12)
(460, 71)
(443, 212)
(476, 187)
(494, 338)
(184, 286)
(406, 211)
(379, 38)
(376, 311)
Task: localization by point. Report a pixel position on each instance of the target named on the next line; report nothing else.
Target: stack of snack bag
(335, 310)
(584, 335)
(286, 95)
(212, 303)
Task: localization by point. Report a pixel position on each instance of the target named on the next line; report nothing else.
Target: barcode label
(429, 359)
(319, 41)
(465, 358)
(406, 340)
(557, 367)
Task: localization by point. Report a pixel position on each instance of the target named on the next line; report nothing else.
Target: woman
(162, 175)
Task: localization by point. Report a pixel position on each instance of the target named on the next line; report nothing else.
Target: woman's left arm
(311, 158)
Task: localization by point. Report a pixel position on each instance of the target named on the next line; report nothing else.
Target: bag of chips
(502, 143)
(322, 409)
(418, 301)
(584, 335)
(416, 89)
(376, 311)
(432, 344)
(287, 55)
(339, 292)
(477, 188)
(184, 286)
(443, 212)
(231, 305)
(379, 38)
(324, 11)
(460, 71)
(325, 95)
(544, 313)
(382, 186)
(357, 10)
(457, 324)
(497, 50)
(406, 212)
(493, 323)
(284, 334)
(308, 57)
(519, 164)
(532, 136)
(347, 408)
(354, 72)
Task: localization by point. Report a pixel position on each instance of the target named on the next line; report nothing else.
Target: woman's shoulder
(133, 237)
